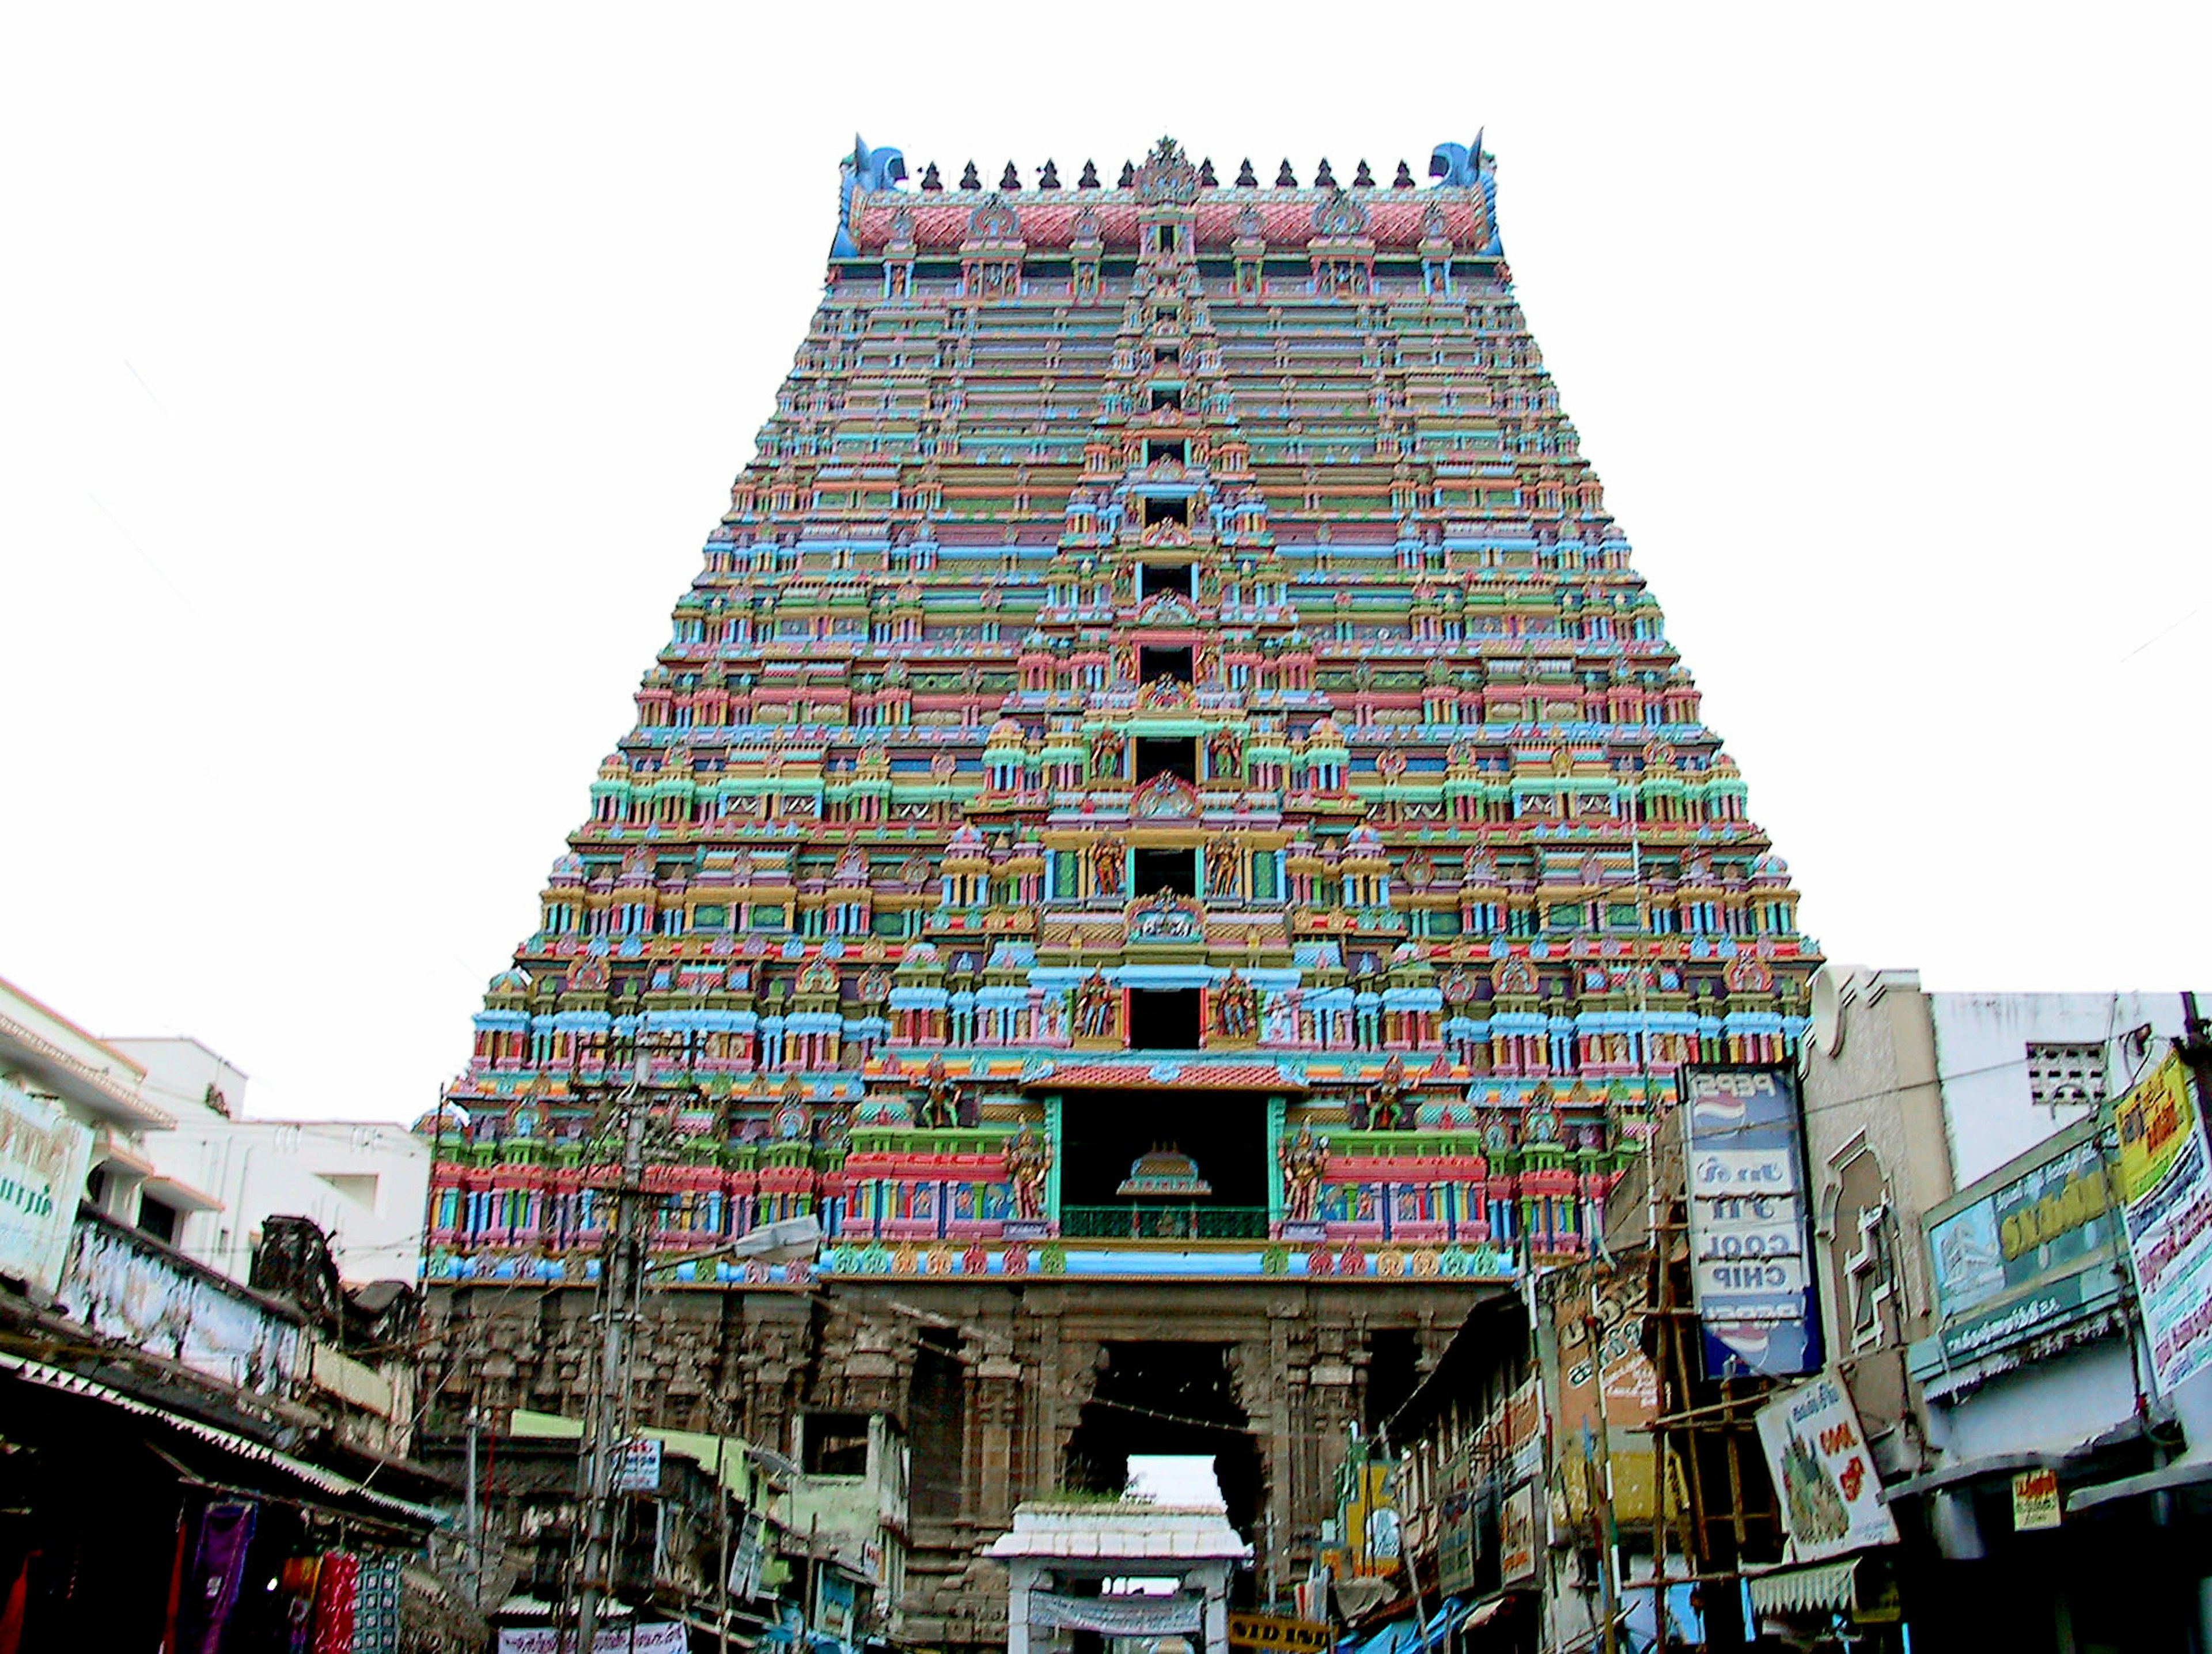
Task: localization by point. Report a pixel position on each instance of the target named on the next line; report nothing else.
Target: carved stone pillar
(998, 1407)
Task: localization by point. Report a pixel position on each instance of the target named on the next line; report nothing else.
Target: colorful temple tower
(1167, 821)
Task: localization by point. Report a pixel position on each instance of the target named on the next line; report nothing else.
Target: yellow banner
(2157, 1119)
(1278, 1632)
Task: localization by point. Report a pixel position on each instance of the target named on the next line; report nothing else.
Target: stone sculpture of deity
(1098, 1008)
(1303, 1159)
(1028, 1162)
(1388, 1106)
(1106, 865)
(939, 1105)
(1236, 1008)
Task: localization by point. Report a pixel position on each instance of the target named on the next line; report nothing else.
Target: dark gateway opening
(1163, 1019)
(1168, 755)
(1154, 578)
(1161, 870)
(1165, 1165)
(1156, 661)
(1168, 1398)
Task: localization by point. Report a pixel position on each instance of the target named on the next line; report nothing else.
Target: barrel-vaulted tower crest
(1166, 780)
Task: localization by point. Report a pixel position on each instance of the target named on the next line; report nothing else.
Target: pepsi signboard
(1750, 1255)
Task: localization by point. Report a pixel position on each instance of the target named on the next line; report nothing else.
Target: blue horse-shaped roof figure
(1470, 167)
(865, 169)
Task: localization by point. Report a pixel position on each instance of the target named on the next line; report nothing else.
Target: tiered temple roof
(1167, 644)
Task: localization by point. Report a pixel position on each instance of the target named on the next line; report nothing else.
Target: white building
(1121, 1571)
(73, 1126)
(221, 1174)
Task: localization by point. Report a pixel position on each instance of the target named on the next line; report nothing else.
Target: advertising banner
(2051, 1218)
(1455, 1509)
(43, 1157)
(1516, 1535)
(123, 1287)
(637, 1465)
(1600, 1356)
(1830, 1495)
(2166, 1197)
(1370, 1517)
(1751, 1267)
(623, 1639)
(1278, 1633)
(2026, 1250)
(2035, 1501)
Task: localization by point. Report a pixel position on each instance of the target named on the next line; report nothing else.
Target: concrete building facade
(1977, 1352)
(220, 1174)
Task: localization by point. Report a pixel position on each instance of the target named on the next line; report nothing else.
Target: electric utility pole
(620, 1278)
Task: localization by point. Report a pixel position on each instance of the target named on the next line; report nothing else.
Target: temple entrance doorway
(1168, 1401)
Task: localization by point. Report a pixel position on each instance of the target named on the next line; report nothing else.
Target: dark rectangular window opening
(1163, 1019)
(1157, 449)
(834, 1444)
(160, 1221)
(1159, 869)
(1163, 316)
(1167, 238)
(1158, 510)
(1154, 578)
(1167, 755)
(1154, 663)
(1166, 397)
(1167, 356)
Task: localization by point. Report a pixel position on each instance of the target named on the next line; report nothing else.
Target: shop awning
(2151, 1481)
(1440, 1620)
(1988, 1466)
(1825, 1587)
(182, 1195)
(321, 1477)
(1396, 1637)
(1483, 1613)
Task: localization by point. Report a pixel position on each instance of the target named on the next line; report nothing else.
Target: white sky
(370, 376)
(1175, 1478)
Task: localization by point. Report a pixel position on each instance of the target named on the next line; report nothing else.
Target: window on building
(359, 1187)
(160, 1219)
(1263, 875)
(1155, 663)
(1868, 1278)
(1159, 869)
(1158, 448)
(1169, 755)
(2065, 1075)
(834, 1444)
(1164, 1019)
(1158, 511)
(1154, 578)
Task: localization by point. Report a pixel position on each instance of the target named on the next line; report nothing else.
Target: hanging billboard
(1830, 1492)
(43, 1156)
(2165, 1201)
(1750, 1259)
(2028, 1248)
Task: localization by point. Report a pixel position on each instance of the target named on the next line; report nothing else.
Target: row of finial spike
(1010, 181)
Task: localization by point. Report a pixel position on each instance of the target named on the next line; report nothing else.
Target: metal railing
(1181, 1220)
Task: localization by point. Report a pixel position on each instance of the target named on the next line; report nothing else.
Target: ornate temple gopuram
(1167, 821)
